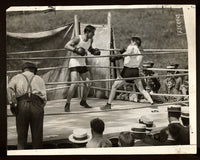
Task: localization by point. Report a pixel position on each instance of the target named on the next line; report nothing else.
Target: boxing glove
(121, 51)
(95, 51)
(80, 51)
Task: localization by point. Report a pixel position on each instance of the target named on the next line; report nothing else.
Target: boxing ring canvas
(52, 60)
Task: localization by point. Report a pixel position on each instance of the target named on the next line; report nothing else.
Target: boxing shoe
(106, 107)
(67, 107)
(84, 104)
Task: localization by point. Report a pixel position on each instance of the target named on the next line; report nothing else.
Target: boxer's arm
(72, 43)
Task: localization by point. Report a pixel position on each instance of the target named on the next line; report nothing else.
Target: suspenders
(29, 88)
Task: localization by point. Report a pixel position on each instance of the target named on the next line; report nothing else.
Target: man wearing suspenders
(26, 94)
(80, 46)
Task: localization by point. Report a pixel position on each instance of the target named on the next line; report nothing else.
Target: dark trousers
(30, 112)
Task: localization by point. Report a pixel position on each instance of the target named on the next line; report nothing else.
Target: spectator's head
(136, 40)
(147, 65)
(174, 113)
(79, 138)
(161, 136)
(170, 67)
(126, 139)
(185, 116)
(185, 80)
(89, 30)
(97, 126)
(148, 121)
(129, 87)
(29, 66)
(171, 82)
(139, 131)
(179, 133)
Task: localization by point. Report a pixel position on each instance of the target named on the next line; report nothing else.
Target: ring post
(76, 33)
(108, 85)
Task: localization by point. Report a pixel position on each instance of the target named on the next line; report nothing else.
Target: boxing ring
(58, 125)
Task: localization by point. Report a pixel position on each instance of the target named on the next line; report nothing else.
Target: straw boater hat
(174, 109)
(172, 66)
(139, 128)
(148, 122)
(185, 112)
(147, 64)
(139, 131)
(79, 136)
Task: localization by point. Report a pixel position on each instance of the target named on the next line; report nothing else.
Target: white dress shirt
(18, 86)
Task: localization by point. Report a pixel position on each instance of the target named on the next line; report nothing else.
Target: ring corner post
(76, 33)
(108, 84)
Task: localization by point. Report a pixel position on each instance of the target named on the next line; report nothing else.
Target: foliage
(156, 27)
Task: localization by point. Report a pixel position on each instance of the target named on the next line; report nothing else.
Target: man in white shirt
(131, 69)
(26, 94)
(80, 46)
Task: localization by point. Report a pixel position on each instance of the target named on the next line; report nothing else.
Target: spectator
(171, 89)
(139, 132)
(179, 133)
(79, 138)
(178, 79)
(98, 140)
(161, 135)
(128, 96)
(148, 121)
(151, 85)
(184, 88)
(174, 113)
(126, 139)
(27, 98)
(167, 135)
(185, 116)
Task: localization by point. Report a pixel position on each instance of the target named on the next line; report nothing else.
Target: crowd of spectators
(172, 85)
(144, 133)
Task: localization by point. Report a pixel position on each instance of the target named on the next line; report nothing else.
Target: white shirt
(132, 61)
(18, 86)
(75, 62)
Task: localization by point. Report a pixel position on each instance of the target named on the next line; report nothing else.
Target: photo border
(3, 117)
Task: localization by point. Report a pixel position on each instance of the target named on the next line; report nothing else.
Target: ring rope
(120, 91)
(84, 112)
(151, 50)
(165, 69)
(63, 49)
(93, 66)
(118, 79)
(37, 51)
(165, 50)
(101, 56)
(156, 94)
